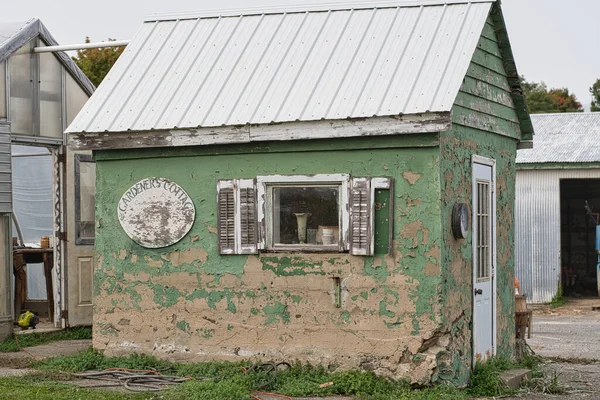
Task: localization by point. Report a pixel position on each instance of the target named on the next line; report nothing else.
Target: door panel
(80, 238)
(85, 283)
(484, 317)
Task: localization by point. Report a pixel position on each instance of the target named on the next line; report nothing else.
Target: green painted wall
(190, 295)
(485, 98)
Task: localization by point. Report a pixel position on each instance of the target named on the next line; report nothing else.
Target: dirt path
(12, 364)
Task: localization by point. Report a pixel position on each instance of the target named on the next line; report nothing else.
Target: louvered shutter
(361, 217)
(237, 216)
(247, 232)
(226, 217)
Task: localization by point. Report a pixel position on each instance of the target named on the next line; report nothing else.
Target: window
(483, 231)
(85, 190)
(317, 213)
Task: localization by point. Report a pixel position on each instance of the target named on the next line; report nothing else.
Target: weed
(17, 342)
(485, 380)
(558, 300)
(226, 380)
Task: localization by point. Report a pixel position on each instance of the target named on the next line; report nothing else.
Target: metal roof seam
(412, 32)
(226, 80)
(148, 66)
(312, 46)
(313, 8)
(267, 47)
(189, 69)
(262, 98)
(166, 71)
(375, 62)
(189, 106)
(454, 46)
(98, 109)
(415, 81)
(337, 91)
(316, 84)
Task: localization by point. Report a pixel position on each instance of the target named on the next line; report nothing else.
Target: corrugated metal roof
(13, 35)
(403, 58)
(563, 138)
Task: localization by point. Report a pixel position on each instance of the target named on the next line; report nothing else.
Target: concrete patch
(513, 378)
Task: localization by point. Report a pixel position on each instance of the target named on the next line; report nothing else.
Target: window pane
(76, 98)
(306, 215)
(87, 178)
(483, 230)
(21, 90)
(50, 96)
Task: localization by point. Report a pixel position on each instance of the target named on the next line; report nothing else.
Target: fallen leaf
(324, 385)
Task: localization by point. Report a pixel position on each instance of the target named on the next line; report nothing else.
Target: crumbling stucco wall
(485, 123)
(186, 302)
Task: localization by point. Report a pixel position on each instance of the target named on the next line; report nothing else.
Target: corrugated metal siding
(5, 170)
(571, 137)
(537, 230)
(302, 66)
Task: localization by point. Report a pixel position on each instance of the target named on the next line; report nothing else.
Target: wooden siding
(484, 101)
(5, 171)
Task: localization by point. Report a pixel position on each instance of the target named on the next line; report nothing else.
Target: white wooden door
(484, 310)
(81, 175)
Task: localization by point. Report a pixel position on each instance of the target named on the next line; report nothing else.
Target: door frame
(490, 162)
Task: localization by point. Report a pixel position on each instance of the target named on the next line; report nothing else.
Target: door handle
(478, 291)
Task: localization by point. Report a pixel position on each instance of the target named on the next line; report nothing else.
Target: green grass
(32, 388)
(558, 300)
(14, 343)
(485, 380)
(226, 380)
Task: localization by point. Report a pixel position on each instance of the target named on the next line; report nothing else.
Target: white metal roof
(563, 138)
(256, 67)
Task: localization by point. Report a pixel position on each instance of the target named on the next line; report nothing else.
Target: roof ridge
(300, 8)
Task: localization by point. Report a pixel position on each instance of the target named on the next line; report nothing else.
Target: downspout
(19, 232)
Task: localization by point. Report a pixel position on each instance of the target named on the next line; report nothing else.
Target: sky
(555, 41)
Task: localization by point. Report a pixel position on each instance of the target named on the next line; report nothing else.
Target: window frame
(265, 185)
(79, 240)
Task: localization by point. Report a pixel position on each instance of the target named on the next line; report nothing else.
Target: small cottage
(334, 185)
(557, 206)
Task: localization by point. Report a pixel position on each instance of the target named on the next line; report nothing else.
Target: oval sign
(156, 212)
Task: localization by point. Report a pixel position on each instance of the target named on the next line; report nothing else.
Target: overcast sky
(555, 41)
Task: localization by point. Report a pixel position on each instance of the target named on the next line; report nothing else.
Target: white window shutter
(226, 217)
(361, 220)
(246, 221)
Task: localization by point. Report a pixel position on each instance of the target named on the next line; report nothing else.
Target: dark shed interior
(580, 213)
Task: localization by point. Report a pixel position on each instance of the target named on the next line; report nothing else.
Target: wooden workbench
(27, 255)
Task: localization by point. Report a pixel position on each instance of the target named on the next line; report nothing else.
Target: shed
(40, 94)
(329, 184)
(555, 231)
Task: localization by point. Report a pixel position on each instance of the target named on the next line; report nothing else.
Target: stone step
(513, 377)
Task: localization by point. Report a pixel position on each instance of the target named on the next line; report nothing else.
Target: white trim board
(328, 129)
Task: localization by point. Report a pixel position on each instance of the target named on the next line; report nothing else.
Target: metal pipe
(68, 47)
(19, 232)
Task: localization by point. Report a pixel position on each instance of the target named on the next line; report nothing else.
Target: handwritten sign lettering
(156, 212)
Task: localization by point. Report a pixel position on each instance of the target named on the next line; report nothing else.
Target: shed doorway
(578, 235)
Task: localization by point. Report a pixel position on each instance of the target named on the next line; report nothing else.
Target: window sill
(300, 248)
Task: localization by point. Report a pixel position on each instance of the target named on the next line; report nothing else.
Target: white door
(484, 226)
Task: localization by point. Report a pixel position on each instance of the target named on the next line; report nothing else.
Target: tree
(595, 92)
(541, 100)
(96, 63)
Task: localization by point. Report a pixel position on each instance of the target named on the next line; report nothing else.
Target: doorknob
(478, 291)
